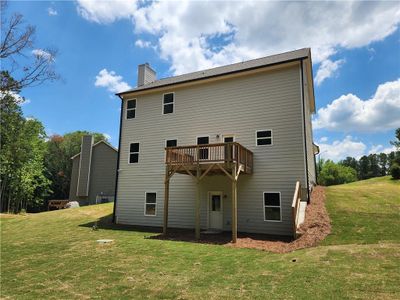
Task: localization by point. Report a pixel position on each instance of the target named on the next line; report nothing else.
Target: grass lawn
(54, 255)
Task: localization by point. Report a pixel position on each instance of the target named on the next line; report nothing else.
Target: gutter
(305, 131)
(213, 76)
(118, 158)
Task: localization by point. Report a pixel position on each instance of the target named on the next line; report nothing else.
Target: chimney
(84, 166)
(145, 74)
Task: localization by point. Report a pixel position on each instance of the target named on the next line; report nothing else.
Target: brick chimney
(145, 74)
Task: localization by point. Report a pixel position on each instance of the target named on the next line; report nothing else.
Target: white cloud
(39, 53)
(350, 113)
(106, 11)
(52, 11)
(107, 136)
(324, 139)
(110, 80)
(195, 35)
(341, 149)
(327, 69)
(381, 149)
(17, 97)
(143, 44)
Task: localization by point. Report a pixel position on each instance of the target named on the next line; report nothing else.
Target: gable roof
(98, 143)
(295, 55)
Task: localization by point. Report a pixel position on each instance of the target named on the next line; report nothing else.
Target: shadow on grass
(183, 235)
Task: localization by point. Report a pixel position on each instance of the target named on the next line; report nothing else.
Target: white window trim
(163, 104)
(129, 153)
(145, 203)
(126, 108)
(280, 206)
(165, 142)
(272, 138)
(228, 136)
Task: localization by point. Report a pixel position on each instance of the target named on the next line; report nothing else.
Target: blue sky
(355, 46)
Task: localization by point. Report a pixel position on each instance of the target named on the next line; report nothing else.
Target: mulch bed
(316, 227)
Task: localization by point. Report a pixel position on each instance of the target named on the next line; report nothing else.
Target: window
(171, 143)
(203, 152)
(134, 153)
(272, 206)
(264, 137)
(150, 204)
(229, 139)
(168, 103)
(131, 109)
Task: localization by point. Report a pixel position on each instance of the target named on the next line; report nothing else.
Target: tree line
(368, 166)
(33, 167)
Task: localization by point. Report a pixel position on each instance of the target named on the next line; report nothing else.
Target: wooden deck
(212, 157)
(198, 161)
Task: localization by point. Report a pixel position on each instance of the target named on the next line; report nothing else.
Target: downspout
(118, 158)
(305, 131)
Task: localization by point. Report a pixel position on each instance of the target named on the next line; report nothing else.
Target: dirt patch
(316, 227)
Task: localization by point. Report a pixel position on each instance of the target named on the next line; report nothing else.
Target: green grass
(54, 255)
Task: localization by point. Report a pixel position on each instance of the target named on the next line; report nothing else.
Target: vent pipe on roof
(145, 74)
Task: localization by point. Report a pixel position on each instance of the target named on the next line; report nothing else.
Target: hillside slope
(54, 255)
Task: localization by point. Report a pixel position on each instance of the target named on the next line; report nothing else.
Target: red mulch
(316, 227)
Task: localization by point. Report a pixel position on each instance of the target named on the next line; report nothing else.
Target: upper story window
(134, 153)
(272, 206)
(171, 143)
(168, 103)
(264, 137)
(131, 109)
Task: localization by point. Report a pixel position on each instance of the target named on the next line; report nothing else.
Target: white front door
(215, 210)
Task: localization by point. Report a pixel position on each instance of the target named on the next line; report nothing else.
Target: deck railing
(210, 153)
(296, 207)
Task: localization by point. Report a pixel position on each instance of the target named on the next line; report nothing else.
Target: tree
(363, 167)
(58, 162)
(383, 163)
(332, 174)
(396, 142)
(350, 162)
(27, 68)
(374, 169)
(22, 150)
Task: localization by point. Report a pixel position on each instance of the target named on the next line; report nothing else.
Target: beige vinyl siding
(238, 106)
(309, 138)
(102, 176)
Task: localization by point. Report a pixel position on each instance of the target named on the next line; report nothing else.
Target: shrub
(332, 174)
(395, 171)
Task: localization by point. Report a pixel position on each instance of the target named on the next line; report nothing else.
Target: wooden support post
(234, 205)
(197, 228)
(166, 200)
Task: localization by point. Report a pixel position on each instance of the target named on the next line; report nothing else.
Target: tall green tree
(58, 162)
(332, 174)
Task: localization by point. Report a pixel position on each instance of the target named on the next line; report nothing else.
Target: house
(218, 149)
(93, 173)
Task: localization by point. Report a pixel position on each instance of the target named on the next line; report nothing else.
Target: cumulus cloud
(40, 53)
(381, 149)
(111, 81)
(323, 139)
(106, 11)
(107, 136)
(327, 69)
(143, 44)
(195, 35)
(52, 11)
(350, 113)
(340, 149)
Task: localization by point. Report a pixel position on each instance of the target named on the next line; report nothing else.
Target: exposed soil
(316, 227)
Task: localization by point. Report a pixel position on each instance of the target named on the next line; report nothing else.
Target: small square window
(171, 143)
(264, 137)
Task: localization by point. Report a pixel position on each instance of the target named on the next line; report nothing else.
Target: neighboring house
(93, 173)
(218, 149)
